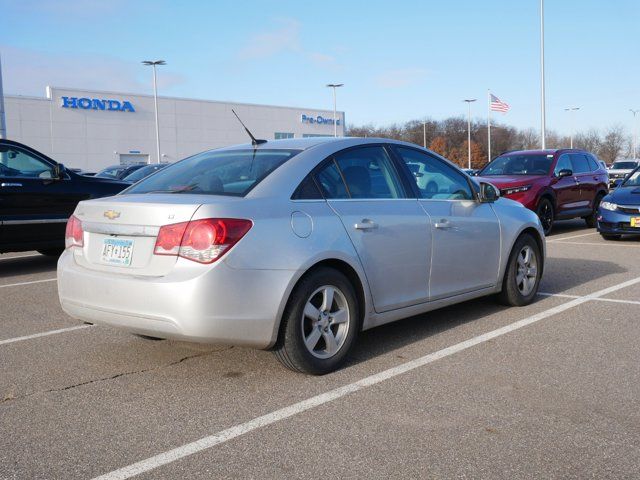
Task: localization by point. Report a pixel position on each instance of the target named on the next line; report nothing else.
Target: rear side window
(308, 190)
(231, 172)
(592, 163)
(580, 163)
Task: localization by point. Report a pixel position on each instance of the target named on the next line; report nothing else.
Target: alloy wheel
(527, 270)
(325, 322)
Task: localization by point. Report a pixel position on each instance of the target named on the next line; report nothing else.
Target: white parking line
(608, 244)
(614, 300)
(557, 239)
(28, 283)
(21, 256)
(286, 412)
(43, 334)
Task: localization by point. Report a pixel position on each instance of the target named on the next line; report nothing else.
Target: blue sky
(399, 60)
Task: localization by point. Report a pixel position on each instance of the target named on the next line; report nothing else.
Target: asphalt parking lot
(476, 390)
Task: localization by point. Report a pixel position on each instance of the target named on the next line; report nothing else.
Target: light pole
(469, 102)
(424, 133)
(571, 109)
(335, 124)
(155, 63)
(543, 127)
(635, 132)
(3, 125)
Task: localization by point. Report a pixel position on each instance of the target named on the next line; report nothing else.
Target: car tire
(607, 236)
(546, 214)
(320, 323)
(591, 220)
(51, 252)
(520, 283)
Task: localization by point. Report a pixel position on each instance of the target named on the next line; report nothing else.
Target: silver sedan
(296, 246)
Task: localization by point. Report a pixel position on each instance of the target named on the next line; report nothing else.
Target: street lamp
(635, 132)
(543, 127)
(335, 124)
(154, 63)
(571, 109)
(469, 102)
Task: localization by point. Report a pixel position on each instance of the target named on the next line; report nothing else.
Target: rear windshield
(519, 164)
(232, 173)
(624, 165)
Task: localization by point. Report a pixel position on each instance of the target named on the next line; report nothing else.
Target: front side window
(564, 163)
(580, 163)
(230, 172)
(434, 178)
(519, 164)
(16, 162)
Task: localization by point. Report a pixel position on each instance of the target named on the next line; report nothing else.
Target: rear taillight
(202, 241)
(73, 235)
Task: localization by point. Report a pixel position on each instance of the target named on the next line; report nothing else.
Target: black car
(37, 196)
(118, 172)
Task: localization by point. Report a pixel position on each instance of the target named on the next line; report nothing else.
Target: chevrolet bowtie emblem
(111, 214)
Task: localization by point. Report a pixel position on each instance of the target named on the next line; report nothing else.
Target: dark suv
(37, 196)
(556, 184)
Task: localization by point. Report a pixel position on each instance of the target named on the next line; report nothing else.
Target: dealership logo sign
(320, 120)
(97, 104)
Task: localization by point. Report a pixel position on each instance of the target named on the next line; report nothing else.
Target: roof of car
(309, 142)
(546, 151)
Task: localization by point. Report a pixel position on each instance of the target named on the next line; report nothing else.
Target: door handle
(10, 184)
(366, 224)
(443, 224)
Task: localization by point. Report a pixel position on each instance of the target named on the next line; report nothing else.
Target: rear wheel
(546, 215)
(591, 220)
(610, 237)
(522, 277)
(320, 323)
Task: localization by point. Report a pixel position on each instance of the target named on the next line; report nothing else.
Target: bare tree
(612, 144)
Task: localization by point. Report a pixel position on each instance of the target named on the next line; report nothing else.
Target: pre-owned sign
(97, 104)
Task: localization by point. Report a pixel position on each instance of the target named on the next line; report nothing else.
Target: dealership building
(93, 129)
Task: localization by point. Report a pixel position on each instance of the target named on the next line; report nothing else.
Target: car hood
(505, 181)
(625, 196)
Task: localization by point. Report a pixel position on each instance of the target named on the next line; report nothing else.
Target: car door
(389, 230)
(34, 206)
(466, 233)
(586, 178)
(567, 189)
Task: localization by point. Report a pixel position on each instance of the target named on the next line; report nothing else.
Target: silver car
(296, 246)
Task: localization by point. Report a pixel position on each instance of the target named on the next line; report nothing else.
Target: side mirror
(59, 171)
(488, 193)
(565, 172)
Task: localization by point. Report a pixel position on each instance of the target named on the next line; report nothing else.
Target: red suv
(556, 184)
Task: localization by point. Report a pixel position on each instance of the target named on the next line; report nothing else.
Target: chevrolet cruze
(296, 246)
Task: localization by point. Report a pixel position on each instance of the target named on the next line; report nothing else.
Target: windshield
(633, 180)
(519, 164)
(231, 172)
(624, 165)
(140, 173)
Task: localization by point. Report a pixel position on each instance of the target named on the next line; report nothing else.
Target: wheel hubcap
(325, 322)
(527, 270)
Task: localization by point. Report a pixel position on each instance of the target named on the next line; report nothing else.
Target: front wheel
(320, 323)
(546, 215)
(522, 277)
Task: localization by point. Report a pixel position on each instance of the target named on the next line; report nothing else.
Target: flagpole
(488, 124)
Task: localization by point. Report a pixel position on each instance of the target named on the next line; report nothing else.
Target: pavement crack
(11, 397)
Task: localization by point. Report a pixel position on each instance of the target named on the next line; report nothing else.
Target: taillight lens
(203, 241)
(73, 235)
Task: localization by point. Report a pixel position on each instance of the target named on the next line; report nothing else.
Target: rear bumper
(218, 305)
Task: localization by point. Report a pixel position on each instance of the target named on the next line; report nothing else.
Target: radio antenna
(254, 141)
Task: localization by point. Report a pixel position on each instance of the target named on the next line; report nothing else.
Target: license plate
(635, 222)
(117, 251)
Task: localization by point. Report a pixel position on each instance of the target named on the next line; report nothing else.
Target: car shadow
(562, 227)
(11, 267)
(560, 274)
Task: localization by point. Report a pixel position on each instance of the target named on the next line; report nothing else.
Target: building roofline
(223, 102)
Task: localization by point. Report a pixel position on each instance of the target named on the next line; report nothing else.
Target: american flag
(498, 105)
